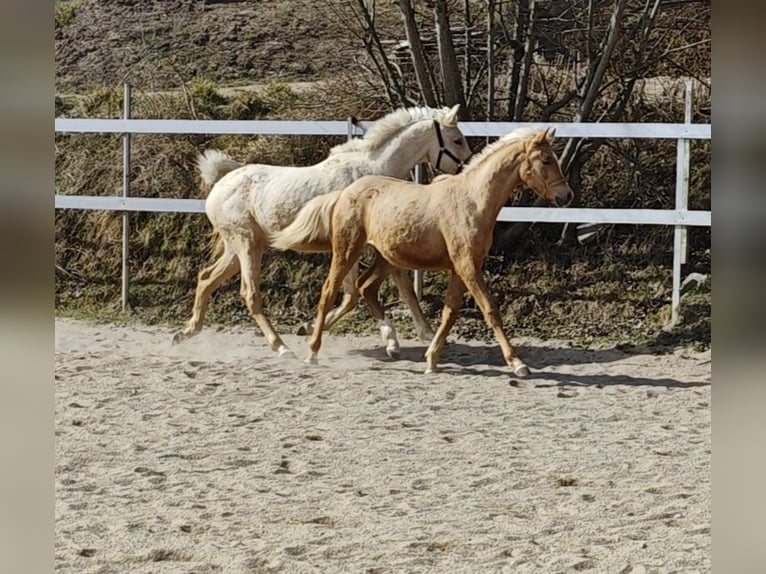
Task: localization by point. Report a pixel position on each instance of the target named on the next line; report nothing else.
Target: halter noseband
(443, 150)
(557, 182)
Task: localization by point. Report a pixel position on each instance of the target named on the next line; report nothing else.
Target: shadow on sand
(486, 360)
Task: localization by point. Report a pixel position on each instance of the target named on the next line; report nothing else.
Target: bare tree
(419, 61)
(527, 21)
(623, 45)
(450, 72)
(570, 60)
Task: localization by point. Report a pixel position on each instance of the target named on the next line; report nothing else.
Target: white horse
(248, 203)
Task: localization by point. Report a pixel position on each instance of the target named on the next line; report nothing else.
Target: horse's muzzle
(563, 197)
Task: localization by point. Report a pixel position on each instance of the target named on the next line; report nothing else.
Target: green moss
(64, 12)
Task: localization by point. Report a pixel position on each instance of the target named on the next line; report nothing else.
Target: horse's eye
(458, 141)
(546, 162)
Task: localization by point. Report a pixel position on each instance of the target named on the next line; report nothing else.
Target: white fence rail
(341, 128)
(534, 214)
(680, 217)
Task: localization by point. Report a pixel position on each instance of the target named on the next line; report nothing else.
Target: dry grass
(616, 288)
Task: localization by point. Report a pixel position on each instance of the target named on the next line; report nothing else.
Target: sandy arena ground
(218, 456)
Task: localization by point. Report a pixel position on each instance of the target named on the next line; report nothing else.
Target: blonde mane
(519, 134)
(386, 128)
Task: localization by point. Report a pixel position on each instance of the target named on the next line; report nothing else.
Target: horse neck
(408, 148)
(499, 174)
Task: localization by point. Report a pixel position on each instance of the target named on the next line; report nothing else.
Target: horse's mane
(389, 125)
(519, 134)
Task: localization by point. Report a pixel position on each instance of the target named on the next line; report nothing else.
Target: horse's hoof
(393, 352)
(283, 351)
(430, 370)
(521, 371)
(311, 361)
(178, 337)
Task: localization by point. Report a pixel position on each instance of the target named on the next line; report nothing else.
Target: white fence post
(682, 202)
(125, 193)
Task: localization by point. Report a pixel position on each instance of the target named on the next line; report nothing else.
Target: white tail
(310, 230)
(213, 165)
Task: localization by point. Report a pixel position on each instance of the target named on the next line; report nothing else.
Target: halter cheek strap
(549, 185)
(443, 150)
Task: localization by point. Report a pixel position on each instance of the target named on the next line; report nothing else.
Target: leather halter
(443, 150)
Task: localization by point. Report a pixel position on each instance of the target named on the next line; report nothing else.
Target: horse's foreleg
(403, 282)
(471, 275)
(250, 252)
(369, 285)
(453, 300)
(208, 280)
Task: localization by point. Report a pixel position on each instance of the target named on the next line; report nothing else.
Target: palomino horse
(444, 225)
(247, 203)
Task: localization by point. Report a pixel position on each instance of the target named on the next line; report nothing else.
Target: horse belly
(412, 250)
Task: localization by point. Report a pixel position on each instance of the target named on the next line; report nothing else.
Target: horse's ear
(550, 133)
(450, 117)
(545, 135)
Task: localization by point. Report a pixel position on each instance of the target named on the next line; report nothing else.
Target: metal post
(418, 275)
(125, 193)
(682, 203)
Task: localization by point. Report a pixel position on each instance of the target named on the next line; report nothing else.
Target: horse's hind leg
(369, 285)
(250, 251)
(343, 258)
(349, 301)
(208, 280)
(453, 300)
(403, 282)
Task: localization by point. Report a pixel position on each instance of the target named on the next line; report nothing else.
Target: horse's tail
(213, 165)
(216, 244)
(310, 230)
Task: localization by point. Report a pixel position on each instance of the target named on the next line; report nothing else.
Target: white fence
(680, 217)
